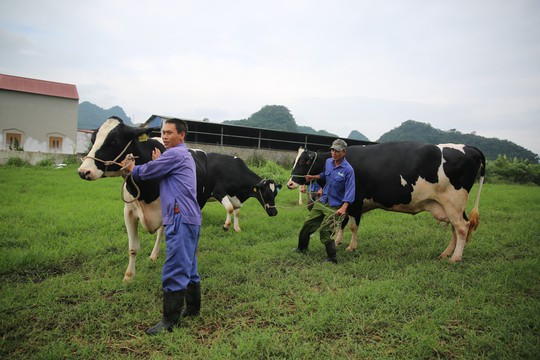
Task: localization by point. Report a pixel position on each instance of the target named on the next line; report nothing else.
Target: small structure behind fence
(217, 134)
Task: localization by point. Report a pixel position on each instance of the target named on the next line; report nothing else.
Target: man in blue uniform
(175, 170)
(338, 193)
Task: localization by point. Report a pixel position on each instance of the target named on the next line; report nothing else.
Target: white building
(38, 115)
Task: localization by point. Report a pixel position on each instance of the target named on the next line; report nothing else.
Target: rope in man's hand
(128, 164)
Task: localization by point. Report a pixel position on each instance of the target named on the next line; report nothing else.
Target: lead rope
(130, 158)
(334, 222)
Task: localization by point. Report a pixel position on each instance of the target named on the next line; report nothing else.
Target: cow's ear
(138, 132)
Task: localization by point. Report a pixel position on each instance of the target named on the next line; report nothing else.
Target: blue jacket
(340, 183)
(175, 170)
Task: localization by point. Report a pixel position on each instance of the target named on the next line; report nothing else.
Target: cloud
(337, 65)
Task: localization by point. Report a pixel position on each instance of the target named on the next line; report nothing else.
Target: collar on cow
(112, 162)
(266, 205)
(120, 172)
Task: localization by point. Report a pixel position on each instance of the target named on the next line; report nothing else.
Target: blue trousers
(180, 266)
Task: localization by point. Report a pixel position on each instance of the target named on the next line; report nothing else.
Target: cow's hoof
(237, 229)
(454, 260)
(350, 249)
(127, 278)
(153, 257)
(225, 228)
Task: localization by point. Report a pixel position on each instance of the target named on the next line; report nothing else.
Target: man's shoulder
(346, 164)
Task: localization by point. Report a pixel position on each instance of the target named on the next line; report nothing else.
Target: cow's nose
(83, 174)
(271, 212)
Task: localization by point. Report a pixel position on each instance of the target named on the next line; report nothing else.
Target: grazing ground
(63, 253)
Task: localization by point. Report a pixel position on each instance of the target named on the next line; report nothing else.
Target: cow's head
(110, 145)
(266, 192)
(303, 165)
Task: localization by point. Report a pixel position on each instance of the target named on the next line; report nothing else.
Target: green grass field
(63, 253)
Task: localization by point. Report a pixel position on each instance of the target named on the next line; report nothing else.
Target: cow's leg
(452, 211)
(236, 216)
(339, 237)
(226, 202)
(131, 222)
(155, 251)
(228, 221)
(301, 189)
(354, 236)
(339, 234)
(451, 246)
(461, 228)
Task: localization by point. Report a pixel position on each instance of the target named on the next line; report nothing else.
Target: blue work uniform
(176, 172)
(340, 183)
(340, 188)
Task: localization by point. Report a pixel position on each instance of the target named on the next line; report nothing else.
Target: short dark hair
(181, 125)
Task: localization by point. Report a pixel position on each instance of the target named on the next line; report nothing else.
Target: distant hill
(356, 135)
(92, 116)
(491, 147)
(278, 117)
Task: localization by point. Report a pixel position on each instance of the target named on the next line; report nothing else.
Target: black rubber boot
(173, 302)
(331, 252)
(303, 243)
(193, 300)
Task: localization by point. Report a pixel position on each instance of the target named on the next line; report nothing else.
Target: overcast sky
(470, 65)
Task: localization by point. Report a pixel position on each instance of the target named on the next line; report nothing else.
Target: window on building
(55, 144)
(13, 141)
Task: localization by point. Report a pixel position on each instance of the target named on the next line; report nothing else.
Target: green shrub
(518, 171)
(17, 162)
(273, 171)
(46, 162)
(256, 160)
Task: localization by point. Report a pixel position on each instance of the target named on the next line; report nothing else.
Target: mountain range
(278, 117)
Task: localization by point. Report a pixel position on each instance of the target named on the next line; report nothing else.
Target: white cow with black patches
(110, 145)
(410, 177)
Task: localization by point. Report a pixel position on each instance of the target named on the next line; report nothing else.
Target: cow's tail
(474, 216)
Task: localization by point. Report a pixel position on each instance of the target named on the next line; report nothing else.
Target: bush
(273, 171)
(46, 163)
(17, 162)
(256, 160)
(516, 171)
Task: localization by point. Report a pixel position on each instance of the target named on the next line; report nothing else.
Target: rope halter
(310, 167)
(122, 172)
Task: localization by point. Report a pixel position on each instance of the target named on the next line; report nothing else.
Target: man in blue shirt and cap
(338, 193)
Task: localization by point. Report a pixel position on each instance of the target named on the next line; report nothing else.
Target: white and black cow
(231, 182)
(111, 143)
(410, 177)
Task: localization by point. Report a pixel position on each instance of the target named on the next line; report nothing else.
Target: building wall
(278, 156)
(37, 118)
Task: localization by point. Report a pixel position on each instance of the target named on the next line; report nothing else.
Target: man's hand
(156, 153)
(342, 211)
(128, 164)
(311, 177)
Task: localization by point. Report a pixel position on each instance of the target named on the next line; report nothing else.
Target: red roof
(41, 87)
